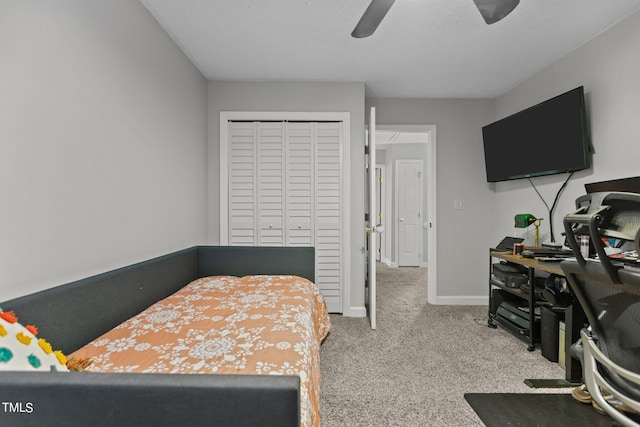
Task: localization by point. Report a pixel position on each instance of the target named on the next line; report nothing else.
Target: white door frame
(345, 118)
(430, 173)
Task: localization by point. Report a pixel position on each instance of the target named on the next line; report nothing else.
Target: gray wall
(307, 97)
(464, 236)
(105, 158)
(103, 142)
(607, 67)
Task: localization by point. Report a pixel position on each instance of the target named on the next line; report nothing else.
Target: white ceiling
(422, 49)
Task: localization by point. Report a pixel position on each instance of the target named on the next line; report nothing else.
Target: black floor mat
(540, 410)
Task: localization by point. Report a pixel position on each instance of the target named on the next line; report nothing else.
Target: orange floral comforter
(271, 325)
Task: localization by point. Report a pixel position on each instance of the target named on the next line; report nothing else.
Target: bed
(249, 323)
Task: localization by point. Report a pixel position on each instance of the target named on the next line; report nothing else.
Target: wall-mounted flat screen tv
(548, 138)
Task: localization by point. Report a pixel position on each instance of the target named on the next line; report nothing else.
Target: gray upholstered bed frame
(71, 315)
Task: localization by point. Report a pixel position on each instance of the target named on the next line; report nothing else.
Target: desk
(549, 267)
(574, 315)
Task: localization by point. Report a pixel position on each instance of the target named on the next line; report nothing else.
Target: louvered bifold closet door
(285, 188)
(300, 184)
(328, 212)
(271, 183)
(242, 184)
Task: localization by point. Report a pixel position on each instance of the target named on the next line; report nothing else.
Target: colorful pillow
(20, 350)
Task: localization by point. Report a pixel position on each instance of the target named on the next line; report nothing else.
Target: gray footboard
(95, 400)
(70, 316)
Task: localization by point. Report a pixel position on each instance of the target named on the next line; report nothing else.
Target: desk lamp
(525, 220)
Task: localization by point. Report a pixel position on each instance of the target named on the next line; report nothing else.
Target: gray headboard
(243, 261)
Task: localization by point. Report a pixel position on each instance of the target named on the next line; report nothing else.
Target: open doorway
(405, 157)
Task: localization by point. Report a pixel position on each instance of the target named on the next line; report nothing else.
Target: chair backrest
(613, 312)
(603, 215)
(608, 291)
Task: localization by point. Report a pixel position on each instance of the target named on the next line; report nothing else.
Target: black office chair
(609, 293)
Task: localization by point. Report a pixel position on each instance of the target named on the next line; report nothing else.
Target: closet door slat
(271, 183)
(242, 184)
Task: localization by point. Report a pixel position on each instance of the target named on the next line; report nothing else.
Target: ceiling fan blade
(371, 18)
(494, 10)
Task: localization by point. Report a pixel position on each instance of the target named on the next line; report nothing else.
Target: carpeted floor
(415, 368)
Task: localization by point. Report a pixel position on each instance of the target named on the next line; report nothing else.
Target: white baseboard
(356, 312)
(389, 263)
(462, 300)
(452, 300)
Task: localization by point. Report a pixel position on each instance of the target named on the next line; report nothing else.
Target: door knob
(401, 219)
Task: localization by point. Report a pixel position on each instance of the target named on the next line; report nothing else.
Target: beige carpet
(414, 369)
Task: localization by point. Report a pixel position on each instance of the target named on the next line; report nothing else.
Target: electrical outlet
(458, 204)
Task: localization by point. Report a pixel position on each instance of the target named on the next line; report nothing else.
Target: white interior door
(409, 174)
(371, 226)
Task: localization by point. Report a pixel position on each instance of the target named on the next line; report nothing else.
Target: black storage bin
(549, 325)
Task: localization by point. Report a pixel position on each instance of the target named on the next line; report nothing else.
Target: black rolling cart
(518, 308)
